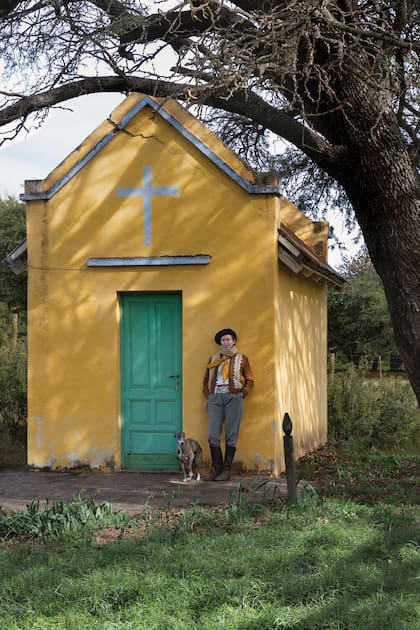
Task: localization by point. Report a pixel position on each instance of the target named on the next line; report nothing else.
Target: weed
(266, 490)
(169, 498)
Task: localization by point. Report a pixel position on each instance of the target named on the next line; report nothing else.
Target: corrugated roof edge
(17, 259)
(303, 257)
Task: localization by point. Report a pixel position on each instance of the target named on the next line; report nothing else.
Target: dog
(189, 454)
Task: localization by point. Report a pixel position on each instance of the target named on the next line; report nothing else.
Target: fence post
(289, 458)
(15, 322)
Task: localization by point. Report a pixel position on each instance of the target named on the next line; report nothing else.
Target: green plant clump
(79, 516)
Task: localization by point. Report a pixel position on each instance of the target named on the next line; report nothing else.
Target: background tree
(358, 318)
(336, 79)
(12, 232)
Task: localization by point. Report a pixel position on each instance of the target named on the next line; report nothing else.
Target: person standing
(227, 381)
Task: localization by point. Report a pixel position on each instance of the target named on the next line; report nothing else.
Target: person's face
(227, 341)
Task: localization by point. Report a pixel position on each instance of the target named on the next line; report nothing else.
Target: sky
(35, 155)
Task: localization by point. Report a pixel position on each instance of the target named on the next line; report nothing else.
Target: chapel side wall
(301, 325)
(74, 360)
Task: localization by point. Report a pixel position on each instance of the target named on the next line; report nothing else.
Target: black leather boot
(229, 455)
(216, 463)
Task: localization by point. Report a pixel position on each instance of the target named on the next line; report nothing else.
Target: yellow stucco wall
(73, 311)
(301, 383)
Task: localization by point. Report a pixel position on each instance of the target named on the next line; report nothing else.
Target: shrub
(398, 414)
(352, 405)
(385, 411)
(13, 386)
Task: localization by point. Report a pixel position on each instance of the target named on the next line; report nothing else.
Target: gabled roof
(300, 259)
(186, 124)
(292, 250)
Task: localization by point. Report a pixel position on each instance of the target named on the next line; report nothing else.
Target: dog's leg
(181, 458)
(196, 473)
(184, 472)
(190, 468)
(197, 462)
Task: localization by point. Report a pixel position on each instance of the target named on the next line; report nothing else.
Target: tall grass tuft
(79, 516)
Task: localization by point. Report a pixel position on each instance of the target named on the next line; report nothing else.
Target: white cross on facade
(148, 191)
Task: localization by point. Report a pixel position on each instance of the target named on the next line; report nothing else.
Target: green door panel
(151, 362)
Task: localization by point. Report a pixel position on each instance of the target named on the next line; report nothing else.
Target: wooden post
(332, 358)
(289, 457)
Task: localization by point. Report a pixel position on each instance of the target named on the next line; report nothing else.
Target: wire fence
(377, 364)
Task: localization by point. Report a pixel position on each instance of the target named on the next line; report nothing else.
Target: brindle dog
(189, 454)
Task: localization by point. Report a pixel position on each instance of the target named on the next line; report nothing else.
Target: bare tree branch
(250, 105)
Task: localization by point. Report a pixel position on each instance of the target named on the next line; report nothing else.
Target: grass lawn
(335, 559)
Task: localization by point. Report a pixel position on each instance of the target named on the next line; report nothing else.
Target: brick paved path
(128, 490)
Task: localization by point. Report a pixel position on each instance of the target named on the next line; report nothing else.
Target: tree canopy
(358, 318)
(336, 79)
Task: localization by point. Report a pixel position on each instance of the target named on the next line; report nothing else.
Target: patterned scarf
(216, 360)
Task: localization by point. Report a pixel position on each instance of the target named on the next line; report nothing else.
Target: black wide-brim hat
(225, 331)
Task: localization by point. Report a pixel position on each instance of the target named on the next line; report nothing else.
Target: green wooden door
(151, 379)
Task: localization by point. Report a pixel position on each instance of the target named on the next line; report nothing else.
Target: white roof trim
(159, 109)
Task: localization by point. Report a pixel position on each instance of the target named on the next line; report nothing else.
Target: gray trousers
(226, 408)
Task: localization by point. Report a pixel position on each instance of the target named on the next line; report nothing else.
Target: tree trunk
(381, 184)
(393, 245)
